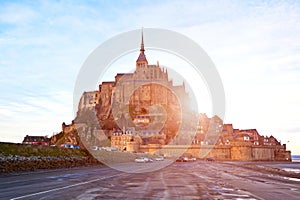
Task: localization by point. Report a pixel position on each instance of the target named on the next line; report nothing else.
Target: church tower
(142, 61)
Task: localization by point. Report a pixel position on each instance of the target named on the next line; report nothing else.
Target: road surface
(190, 180)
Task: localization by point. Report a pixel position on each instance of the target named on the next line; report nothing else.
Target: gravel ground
(15, 163)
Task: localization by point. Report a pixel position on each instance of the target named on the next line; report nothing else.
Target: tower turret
(142, 61)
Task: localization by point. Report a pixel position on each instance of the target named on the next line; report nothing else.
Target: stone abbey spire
(142, 61)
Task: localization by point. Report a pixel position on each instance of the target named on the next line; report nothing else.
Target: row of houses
(210, 131)
(44, 141)
(249, 135)
(213, 128)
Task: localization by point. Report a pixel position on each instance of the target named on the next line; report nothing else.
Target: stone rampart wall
(237, 151)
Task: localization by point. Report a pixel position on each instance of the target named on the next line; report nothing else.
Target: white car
(193, 159)
(95, 148)
(143, 160)
(149, 159)
(159, 158)
(140, 160)
(70, 146)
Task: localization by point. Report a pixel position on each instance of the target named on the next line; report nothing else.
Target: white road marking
(65, 187)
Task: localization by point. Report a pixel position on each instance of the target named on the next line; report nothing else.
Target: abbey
(145, 100)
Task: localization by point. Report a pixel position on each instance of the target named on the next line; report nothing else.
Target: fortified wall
(238, 151)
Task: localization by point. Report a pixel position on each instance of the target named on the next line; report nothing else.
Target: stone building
(36, 140)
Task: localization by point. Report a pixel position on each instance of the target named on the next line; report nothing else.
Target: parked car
(70, 146)
(102, 148)
(114, 149)
(193, 159)
(95, 148)
(210, 159)
(143, 160)
(139, 160)
(182, 159)
(149, 159)
(160, 158)
(186, 159)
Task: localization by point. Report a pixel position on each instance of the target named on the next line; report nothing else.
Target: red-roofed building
(35, 140)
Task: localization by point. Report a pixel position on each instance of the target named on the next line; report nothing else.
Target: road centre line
(66, 187)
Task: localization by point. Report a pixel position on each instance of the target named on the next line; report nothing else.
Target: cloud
(255, 46)
(13, 13)
(39, 114)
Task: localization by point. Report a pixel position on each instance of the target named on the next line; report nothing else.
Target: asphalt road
(193, 180)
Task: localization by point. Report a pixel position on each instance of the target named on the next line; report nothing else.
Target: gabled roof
(34, 138)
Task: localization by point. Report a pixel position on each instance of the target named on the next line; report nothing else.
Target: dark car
(210, 159)
(182, 159)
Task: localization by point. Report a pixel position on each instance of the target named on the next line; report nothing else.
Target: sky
(255, 46)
